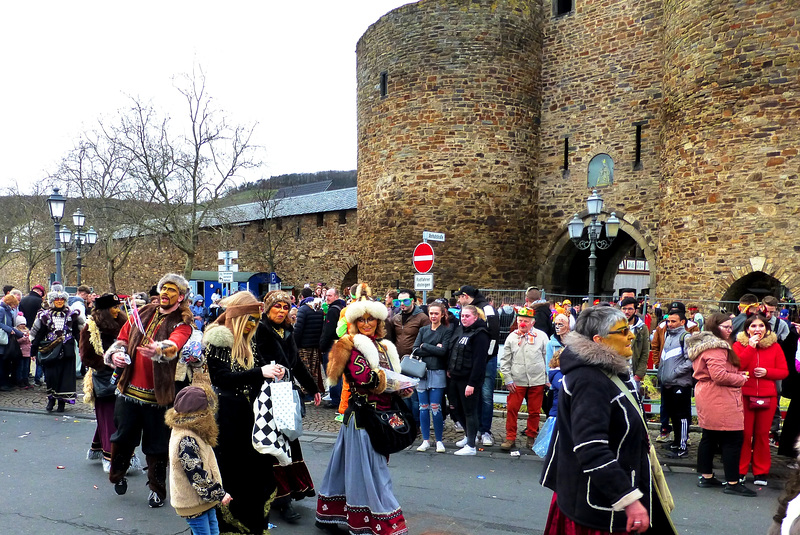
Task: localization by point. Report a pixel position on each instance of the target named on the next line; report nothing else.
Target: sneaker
(136, 466)
(739, 489)
(664, 437)
(339, 417)
(440, 447)
(327, 397)
(466, 450)
(508, 445)
(154, 501)
(773, 443)
(94, 455)
(708, 482)
(121, 486)
(457, 426)
(760, 481)
(677, 454)
(106, 465)
(487, 439)
(461, 443)
(424, 446)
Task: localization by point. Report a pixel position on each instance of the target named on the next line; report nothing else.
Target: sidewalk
(319, 426)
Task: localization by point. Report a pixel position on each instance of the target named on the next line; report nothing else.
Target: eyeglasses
(281, 306)
(625, 331)
(726, 327)
(404, 302)
(365, 320)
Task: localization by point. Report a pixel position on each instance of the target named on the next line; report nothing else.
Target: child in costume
(195, 481)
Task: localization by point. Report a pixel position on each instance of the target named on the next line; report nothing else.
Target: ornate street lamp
(56, 203)
(594, 205)
(89, 238)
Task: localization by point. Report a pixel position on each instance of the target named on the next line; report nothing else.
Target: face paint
(58, 303)
(278, 312)
(367, 326)
(170, 295)
(114, 311)
(620, 341)
(251, 323)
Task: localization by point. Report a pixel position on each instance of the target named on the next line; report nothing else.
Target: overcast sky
(290, 66)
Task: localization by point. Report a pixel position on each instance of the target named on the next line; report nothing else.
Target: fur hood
(765, 342)
(590, 353)
(340, 355)
(201, 423)
(217, 335)
(697, 343)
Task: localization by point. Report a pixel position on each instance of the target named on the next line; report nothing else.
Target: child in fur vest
(195, 482)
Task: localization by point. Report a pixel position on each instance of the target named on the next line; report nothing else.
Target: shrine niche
(601, 171)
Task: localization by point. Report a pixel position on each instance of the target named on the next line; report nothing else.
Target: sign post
(226, 270)
(423, 263)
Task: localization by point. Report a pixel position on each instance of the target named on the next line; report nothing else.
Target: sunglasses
(625, 331)
(404, 302)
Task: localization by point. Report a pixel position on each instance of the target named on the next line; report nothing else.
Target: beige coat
(523, 363)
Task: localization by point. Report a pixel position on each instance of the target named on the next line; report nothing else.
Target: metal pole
(78, 254)
(592, 268)
(58, 251)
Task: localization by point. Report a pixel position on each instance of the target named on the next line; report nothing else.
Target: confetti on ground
(481, 477)
(95, 487)
(120, 518)
(60, 467)
(514, 454)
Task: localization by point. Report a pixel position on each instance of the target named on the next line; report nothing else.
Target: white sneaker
(466, 450)
(424, 446)
(488, 440)
(440, 447)
(461, 443)
(457, 426)
(106, 465)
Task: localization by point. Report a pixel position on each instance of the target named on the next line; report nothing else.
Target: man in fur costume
(145, 363)
(195, 483)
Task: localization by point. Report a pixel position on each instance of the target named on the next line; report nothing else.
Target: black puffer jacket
(308, 329)
(469, 348)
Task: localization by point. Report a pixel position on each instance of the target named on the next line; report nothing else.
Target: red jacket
(767, 354)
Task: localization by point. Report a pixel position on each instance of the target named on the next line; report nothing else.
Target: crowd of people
(180, 379)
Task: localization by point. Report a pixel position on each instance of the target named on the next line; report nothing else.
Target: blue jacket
(554, 377)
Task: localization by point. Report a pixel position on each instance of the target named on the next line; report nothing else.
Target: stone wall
(451, 146)
(309, 253)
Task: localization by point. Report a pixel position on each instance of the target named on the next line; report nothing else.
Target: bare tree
(97, 171)
(186, 175)
(276, 231)
(32, 237)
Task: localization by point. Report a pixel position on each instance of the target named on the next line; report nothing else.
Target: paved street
(439, 493)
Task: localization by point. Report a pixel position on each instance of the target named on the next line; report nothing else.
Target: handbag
(266, 438)
(413, 366)
(757, 404)
(51, 353)
(287, 409)
(3, 338)
(389, 431)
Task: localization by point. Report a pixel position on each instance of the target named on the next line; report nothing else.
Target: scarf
(530, 336)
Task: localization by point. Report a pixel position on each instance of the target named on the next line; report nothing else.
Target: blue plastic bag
(542, 442)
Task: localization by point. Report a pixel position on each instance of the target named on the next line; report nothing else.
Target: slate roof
(314, 203)
(303, 189)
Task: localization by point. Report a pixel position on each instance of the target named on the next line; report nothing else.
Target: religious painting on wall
(601, 171)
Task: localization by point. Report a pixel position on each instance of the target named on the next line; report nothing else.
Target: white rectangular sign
(423, 281)
(225, 276)
(432, 236)
(228, 267)
(224, 255)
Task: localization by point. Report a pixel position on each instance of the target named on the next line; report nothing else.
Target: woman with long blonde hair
(237, 372)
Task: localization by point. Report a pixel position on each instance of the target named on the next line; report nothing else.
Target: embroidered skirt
(357, 488)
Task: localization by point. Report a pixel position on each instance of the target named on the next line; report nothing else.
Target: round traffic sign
(423, 258)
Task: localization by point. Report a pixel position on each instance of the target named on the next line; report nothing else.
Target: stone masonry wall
(731, 113)
(451, 147)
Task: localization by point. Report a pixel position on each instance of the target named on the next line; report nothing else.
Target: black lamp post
(56, 203)
(89, 238)
(593, 242)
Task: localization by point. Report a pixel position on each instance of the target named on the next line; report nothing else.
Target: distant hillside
(339, 179)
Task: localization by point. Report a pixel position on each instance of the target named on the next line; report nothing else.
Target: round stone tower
(730, 143)
(448, 100)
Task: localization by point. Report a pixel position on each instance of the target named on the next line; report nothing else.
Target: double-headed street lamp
(56, 203)
(593, 242)
(89, 238)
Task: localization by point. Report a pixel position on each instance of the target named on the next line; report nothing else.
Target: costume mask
(58, 303)
(251, 323)
(619, 339)
(278, 312)
(170, 295)
(367, 326)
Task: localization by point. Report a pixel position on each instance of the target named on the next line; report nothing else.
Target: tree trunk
(189, 266)
(111, 272)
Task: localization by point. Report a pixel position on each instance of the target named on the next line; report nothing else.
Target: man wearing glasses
(641, 344)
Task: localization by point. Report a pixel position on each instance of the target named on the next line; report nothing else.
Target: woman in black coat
(275, 342)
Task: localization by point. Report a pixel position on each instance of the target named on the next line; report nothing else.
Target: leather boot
(157, 474)
(120, 461)
(61, 403)
(51, 402)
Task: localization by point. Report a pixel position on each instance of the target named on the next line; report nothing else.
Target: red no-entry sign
(423, 258)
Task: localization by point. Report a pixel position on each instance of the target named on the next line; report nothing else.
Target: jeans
(486, 407)
(205, 524)
(430, 401)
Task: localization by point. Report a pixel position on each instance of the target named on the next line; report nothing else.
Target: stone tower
(448, 104)
(730, 141)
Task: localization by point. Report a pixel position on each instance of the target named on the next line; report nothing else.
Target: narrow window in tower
(565, 168)
(278, 224)
(637, 164)
(562, 7)
(384, 83)
(320, 219)
(342, 217)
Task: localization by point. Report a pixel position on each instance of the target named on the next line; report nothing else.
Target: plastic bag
(542, 442)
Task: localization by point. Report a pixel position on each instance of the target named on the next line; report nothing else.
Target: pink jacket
(718, 392)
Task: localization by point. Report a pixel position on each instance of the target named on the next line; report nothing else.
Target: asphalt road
(490, 494)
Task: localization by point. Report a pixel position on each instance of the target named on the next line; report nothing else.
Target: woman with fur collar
(718, 396)
(56, 325)
(598, 463)
(344, 496)
(275, 342)
(237, 372)
(763, 363)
